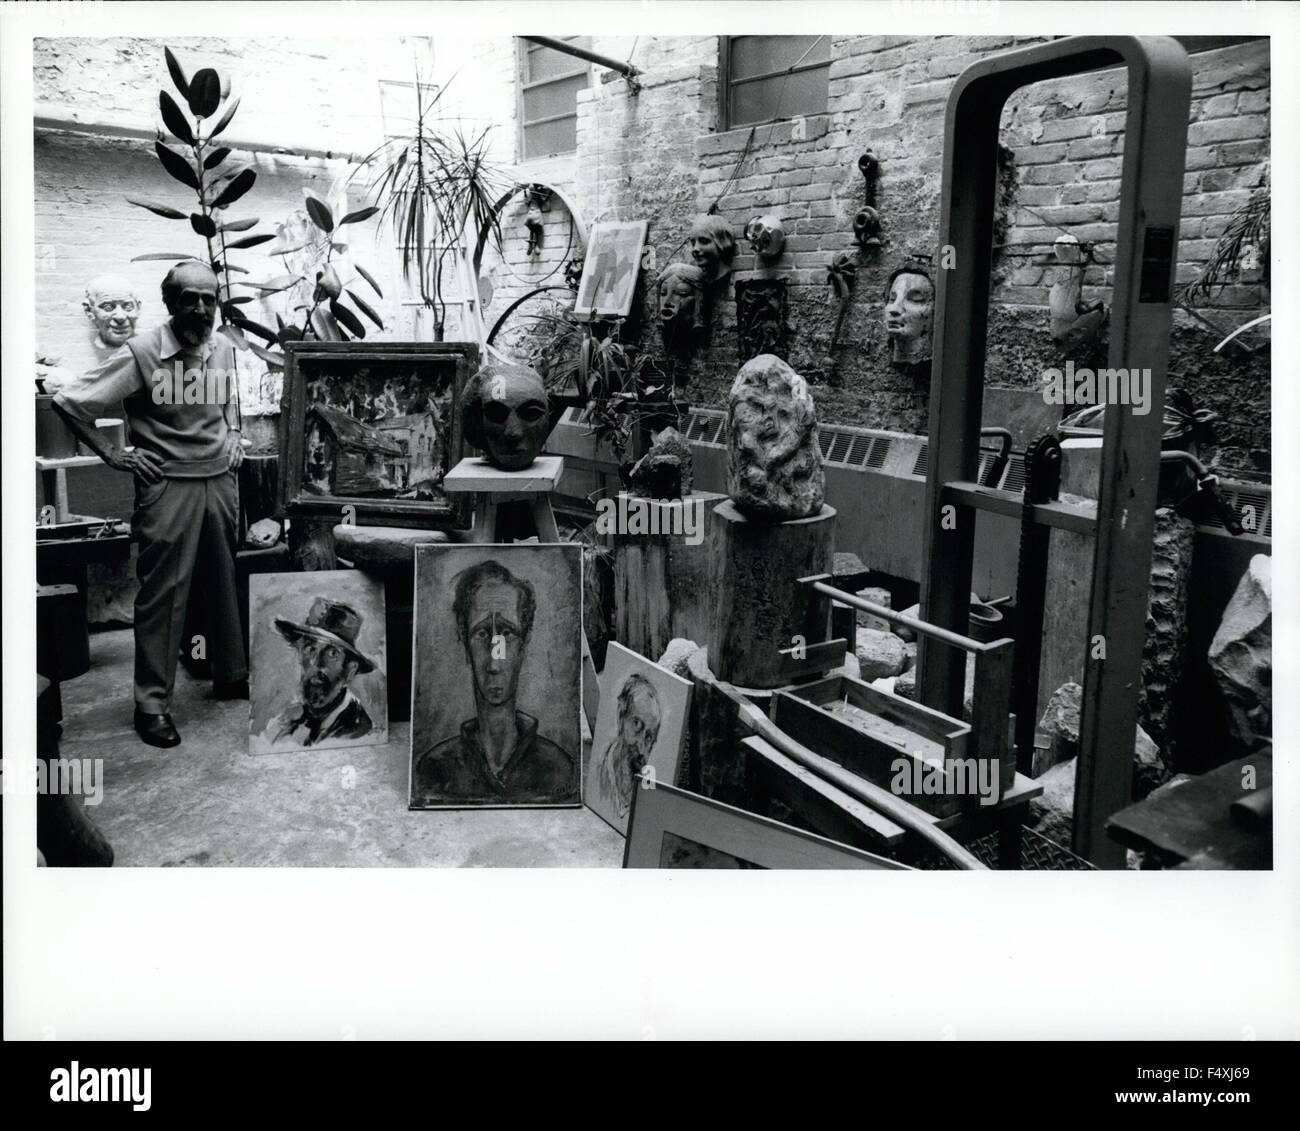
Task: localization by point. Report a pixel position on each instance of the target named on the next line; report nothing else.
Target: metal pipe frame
(625, 69)
(1155, 141)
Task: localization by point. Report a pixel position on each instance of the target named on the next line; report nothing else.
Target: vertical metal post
(1159, 97)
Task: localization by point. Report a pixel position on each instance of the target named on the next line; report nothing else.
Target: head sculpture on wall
(113, 307)
(681, 304)
(713, 246)
(909, 315)
(507, 414)
(766, 236)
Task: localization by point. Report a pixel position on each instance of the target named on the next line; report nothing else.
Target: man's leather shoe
(156, 730)
(235, 689)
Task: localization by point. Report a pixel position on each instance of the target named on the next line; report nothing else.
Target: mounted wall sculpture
(760, 317)
(506, 414)
(909, 323)
(841, 276)
(766, 236)
(681, 306)
(713, 246)
(1076, 325)
(866, 223)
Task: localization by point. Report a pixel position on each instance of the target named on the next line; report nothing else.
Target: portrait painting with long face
(317, 661)
(496, 676)
(641, 723)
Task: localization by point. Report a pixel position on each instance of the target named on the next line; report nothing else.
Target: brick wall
(658, 155)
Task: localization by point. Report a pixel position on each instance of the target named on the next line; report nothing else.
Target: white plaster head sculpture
(713, 246)
(909, 315)
(766, 236)
(113, 307)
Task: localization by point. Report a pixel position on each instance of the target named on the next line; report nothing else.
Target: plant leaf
(328, 281)
(173, 119)
(225, 86)
(359, 215)
(174, 256)
(320, 214)
(237, 187)
(213, 159)
(276, 285)
(251, 327)
(365, 308)
(237, 225)
(274, 360)
(350, 320)
(163, 210)
(224, 120)
(177, 165)
(203, 225)
(324, 327)
(251, 241)
(205, 93)
(232, 332)
(369, 278)
(178, 76)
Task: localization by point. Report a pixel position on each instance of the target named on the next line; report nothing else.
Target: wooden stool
(491, 487)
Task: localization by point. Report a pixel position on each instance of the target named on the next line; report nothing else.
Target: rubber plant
(206, 167)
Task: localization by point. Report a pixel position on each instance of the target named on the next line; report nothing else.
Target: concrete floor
(209, 802)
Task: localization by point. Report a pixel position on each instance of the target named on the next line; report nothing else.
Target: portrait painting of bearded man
(496, 676)
(318, 659)
(639, 735)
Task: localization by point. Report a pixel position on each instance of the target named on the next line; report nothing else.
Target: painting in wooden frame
(674, 828)
(640, 726)
(610, 269)
(374, 427)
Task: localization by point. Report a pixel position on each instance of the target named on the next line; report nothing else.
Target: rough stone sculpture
(909, 315)
(774, 465)
(713, 246)
(681, 304)
(113, 307)
(506, 414)
(766, 236)
(665, 471)
(880, 654)
(760, 317)
(1241, 657)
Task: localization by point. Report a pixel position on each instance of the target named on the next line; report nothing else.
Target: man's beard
(193, 329)
(319, 695)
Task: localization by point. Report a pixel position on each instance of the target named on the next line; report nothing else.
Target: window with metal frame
(549, 82)
(769, 78)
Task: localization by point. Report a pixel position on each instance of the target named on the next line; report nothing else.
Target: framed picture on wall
(610, 269)
(374, 427)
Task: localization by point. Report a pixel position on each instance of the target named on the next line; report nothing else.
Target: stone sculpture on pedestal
(665, 471)
(774, 465)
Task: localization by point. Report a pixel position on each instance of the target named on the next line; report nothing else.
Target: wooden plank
(826, 809)
(816, 659)
(474, 473)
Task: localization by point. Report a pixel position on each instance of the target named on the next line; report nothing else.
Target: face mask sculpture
(681, 306)
(909, 315)
(713, 246)
(774, 466)
(506, 415)
(113, 309)
(766, 237)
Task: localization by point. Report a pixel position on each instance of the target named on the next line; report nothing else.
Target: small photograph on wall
(317, 654)
(641, 724)
(496, 676)
(609, 270)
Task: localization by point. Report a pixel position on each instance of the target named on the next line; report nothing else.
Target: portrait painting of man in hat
(318, 705)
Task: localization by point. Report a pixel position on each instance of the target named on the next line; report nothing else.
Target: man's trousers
(186, 530)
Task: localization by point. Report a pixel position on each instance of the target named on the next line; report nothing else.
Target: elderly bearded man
(185, 457)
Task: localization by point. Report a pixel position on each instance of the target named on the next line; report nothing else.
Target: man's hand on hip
(145, 466)
(234, 450)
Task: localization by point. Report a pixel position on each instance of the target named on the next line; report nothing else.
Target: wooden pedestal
(492, 487)
(760, 609)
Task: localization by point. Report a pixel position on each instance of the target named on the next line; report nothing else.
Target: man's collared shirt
(348, 720)
(457, 770)
(180, 401)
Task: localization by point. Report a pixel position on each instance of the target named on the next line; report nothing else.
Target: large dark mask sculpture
(713, 246)
(507, 415)
(681, 304)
